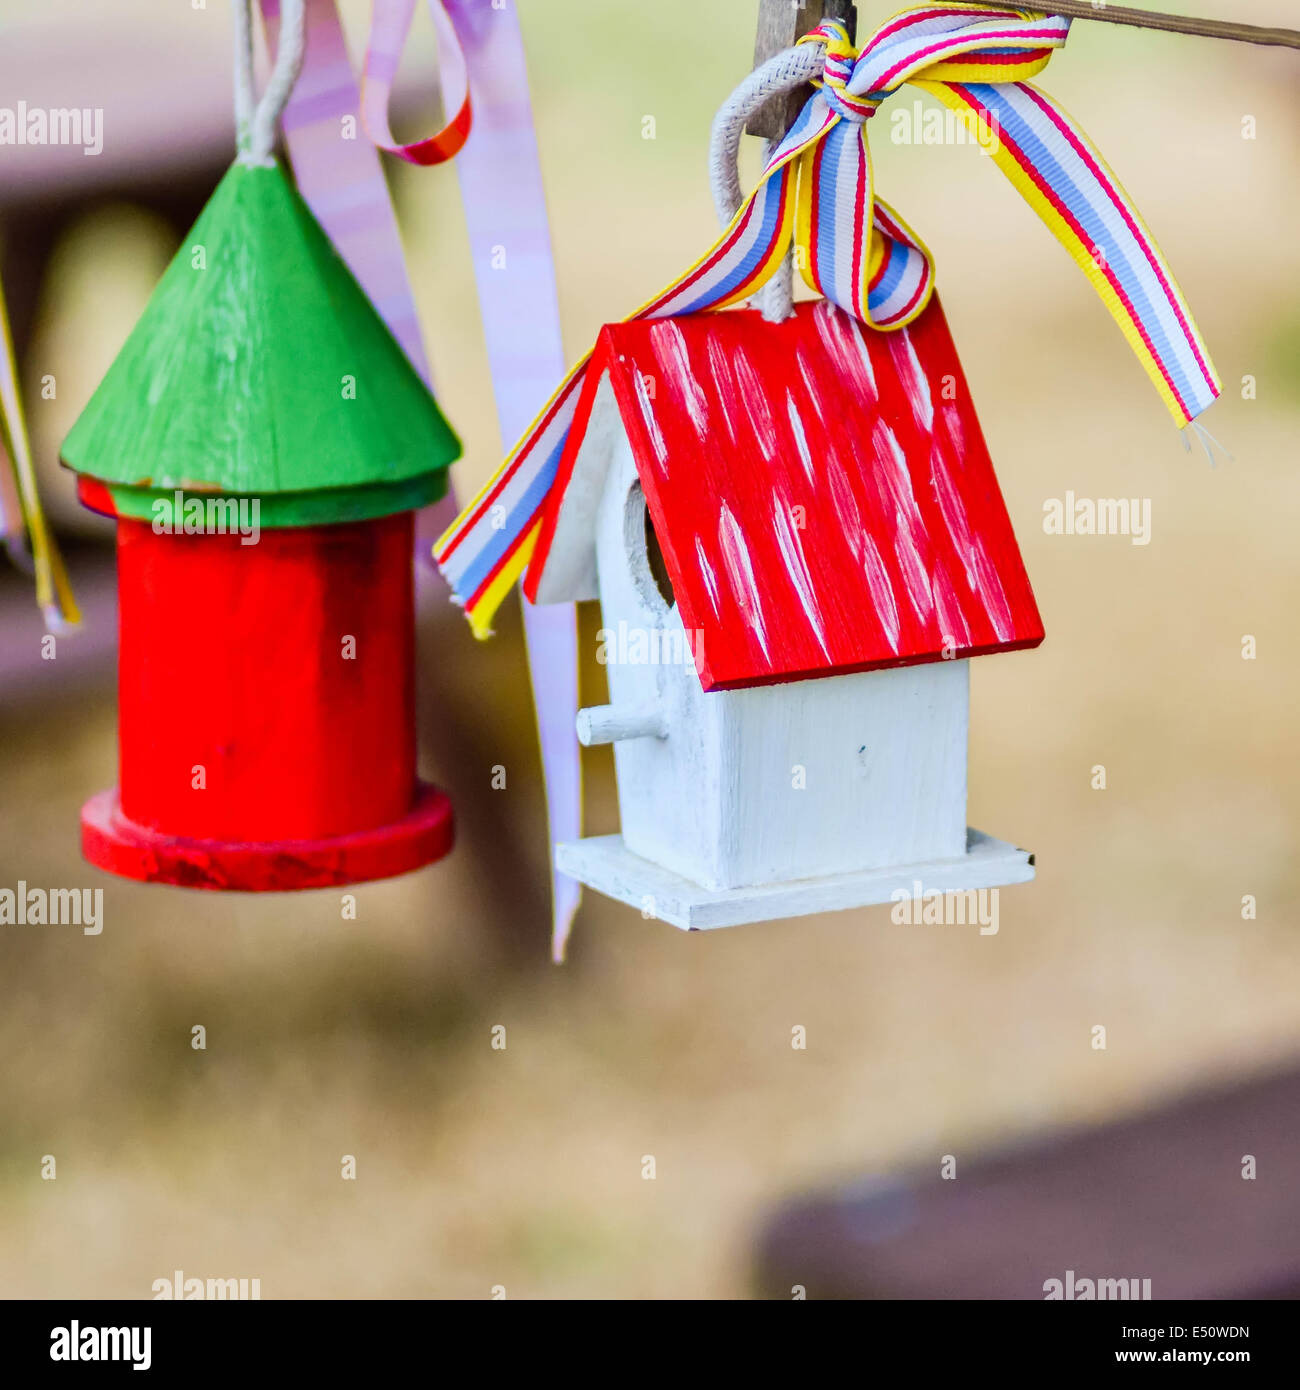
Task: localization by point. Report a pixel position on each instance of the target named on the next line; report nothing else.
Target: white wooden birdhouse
(797, 541)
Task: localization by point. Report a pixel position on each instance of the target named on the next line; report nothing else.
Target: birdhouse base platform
(604, 862)
(112, 842)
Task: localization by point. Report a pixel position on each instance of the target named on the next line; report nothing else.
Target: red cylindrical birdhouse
(263, 441)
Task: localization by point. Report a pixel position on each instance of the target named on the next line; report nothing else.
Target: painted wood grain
(266, 700)
(822, 493)
(774, 783)
(604, 863)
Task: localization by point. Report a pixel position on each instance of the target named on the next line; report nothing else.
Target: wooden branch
(781, 23)
(1168, 23)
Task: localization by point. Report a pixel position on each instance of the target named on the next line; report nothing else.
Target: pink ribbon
(390, 23)
(505, 206)
(483, 70)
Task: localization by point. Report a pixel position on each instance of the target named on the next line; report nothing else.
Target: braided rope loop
(256, 122)
(786, 72)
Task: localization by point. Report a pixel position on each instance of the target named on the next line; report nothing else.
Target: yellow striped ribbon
(53, 591)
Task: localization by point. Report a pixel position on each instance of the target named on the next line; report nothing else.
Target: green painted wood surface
(259, 366)
(321, 508)
(280, 509)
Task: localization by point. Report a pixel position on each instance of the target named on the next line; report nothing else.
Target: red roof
(821, 492)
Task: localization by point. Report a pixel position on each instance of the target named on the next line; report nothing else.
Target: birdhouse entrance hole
(645, 558)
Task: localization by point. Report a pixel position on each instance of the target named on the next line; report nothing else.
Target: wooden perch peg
(781, 24)
(614, 723)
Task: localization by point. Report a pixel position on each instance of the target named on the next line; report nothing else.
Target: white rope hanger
(256, 121)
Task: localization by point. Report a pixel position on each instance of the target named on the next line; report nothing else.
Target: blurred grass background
(372, 1037)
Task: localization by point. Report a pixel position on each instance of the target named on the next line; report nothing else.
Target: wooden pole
(781, 23)
(1167, 23)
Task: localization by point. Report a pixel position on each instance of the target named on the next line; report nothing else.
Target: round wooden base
(112, 842)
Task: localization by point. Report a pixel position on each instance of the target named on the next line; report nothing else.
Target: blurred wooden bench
(164, 89)
(1160, 1196)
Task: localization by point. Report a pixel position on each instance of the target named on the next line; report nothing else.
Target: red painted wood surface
(93, 494)
(112, 842)
(255, 750)
(822, 493)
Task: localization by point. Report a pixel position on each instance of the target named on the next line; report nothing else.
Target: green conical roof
(259, 366)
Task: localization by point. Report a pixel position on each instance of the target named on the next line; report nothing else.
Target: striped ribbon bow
(816, 191)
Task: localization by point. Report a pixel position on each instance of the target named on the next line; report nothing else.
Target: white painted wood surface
(612, 723)
(846, 773)
(773, 801)
(606, 864)
(775, 783)
(669, 789)
(570, 572)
